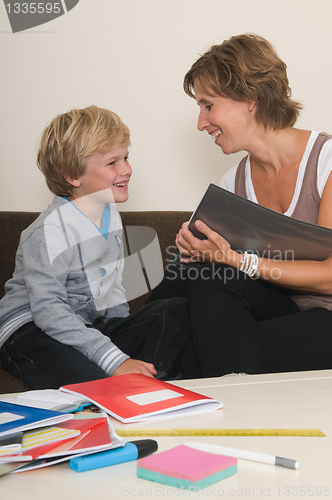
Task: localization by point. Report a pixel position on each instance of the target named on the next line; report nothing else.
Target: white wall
(131, 56)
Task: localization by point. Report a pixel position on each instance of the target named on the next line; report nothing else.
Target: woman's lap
(241, 324)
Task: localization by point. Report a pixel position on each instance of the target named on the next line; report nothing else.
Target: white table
(287, 400)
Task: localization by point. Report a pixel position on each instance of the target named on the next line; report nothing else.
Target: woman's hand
(214, 249)
(135, 366)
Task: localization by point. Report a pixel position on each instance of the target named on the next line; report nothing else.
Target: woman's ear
(252, 105)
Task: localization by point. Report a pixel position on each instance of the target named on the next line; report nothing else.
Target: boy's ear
(73, 182)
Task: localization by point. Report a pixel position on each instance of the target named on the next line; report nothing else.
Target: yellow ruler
(220, 432)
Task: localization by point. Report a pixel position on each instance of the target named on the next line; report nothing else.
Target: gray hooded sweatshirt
(67, 275)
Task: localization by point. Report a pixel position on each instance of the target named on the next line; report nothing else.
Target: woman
(257, 315)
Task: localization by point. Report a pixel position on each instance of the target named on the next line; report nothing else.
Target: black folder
(249, 226)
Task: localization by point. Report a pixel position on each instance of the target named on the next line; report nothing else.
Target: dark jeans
(156, 333)
(240, 324)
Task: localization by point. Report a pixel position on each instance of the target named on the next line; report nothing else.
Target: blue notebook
(15, 418)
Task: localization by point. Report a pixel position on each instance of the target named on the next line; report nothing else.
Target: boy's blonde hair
(247, 67)
(71, 138)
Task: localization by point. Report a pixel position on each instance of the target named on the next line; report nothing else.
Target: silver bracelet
(249, 264)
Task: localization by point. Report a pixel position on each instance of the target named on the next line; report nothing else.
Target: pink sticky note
(186, 463)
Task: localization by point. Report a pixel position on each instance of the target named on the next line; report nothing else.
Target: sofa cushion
(11, 226)
(166, 224)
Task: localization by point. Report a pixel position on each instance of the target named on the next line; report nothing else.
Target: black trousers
(157, 333)
(240, 324)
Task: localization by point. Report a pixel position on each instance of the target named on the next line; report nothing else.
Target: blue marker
(131, 451)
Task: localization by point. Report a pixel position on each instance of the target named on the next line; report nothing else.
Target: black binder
(249, 226)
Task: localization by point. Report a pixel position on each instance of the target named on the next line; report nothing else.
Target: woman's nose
(202, 122)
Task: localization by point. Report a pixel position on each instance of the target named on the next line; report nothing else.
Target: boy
(69, 267)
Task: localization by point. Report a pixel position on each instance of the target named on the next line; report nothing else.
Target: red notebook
(92, 434)
(136, 397)
(96, 435)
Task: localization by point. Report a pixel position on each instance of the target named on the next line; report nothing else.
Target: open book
(49, 399)
(252, 227)
(136, 397)
(96, 435)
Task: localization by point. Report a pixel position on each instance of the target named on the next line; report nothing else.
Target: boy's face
(106, 177)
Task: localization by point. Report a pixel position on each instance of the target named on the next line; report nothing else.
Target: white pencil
(246, 455)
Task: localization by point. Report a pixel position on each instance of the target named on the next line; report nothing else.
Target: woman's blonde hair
(71, 138)
(247, 67)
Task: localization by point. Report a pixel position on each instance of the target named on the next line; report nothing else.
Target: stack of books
(42, 428)
(32, 437)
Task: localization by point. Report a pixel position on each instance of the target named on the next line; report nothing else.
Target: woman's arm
(310, 276)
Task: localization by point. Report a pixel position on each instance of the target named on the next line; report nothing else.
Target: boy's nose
(126, 168)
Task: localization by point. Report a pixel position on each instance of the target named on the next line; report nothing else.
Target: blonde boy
(69, 268)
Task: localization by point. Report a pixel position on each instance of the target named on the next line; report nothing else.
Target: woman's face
(227, 121)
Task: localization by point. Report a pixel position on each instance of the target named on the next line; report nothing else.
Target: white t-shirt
(323, 172)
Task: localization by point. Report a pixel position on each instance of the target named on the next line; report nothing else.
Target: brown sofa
(166, 224)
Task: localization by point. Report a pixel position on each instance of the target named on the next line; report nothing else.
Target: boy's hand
(135, 366)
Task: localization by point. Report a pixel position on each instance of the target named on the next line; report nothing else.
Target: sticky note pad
(185, 467)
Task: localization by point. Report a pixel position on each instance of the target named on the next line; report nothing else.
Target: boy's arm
(51, 312)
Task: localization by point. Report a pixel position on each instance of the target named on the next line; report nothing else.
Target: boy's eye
(112, 163)
(208, 107)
